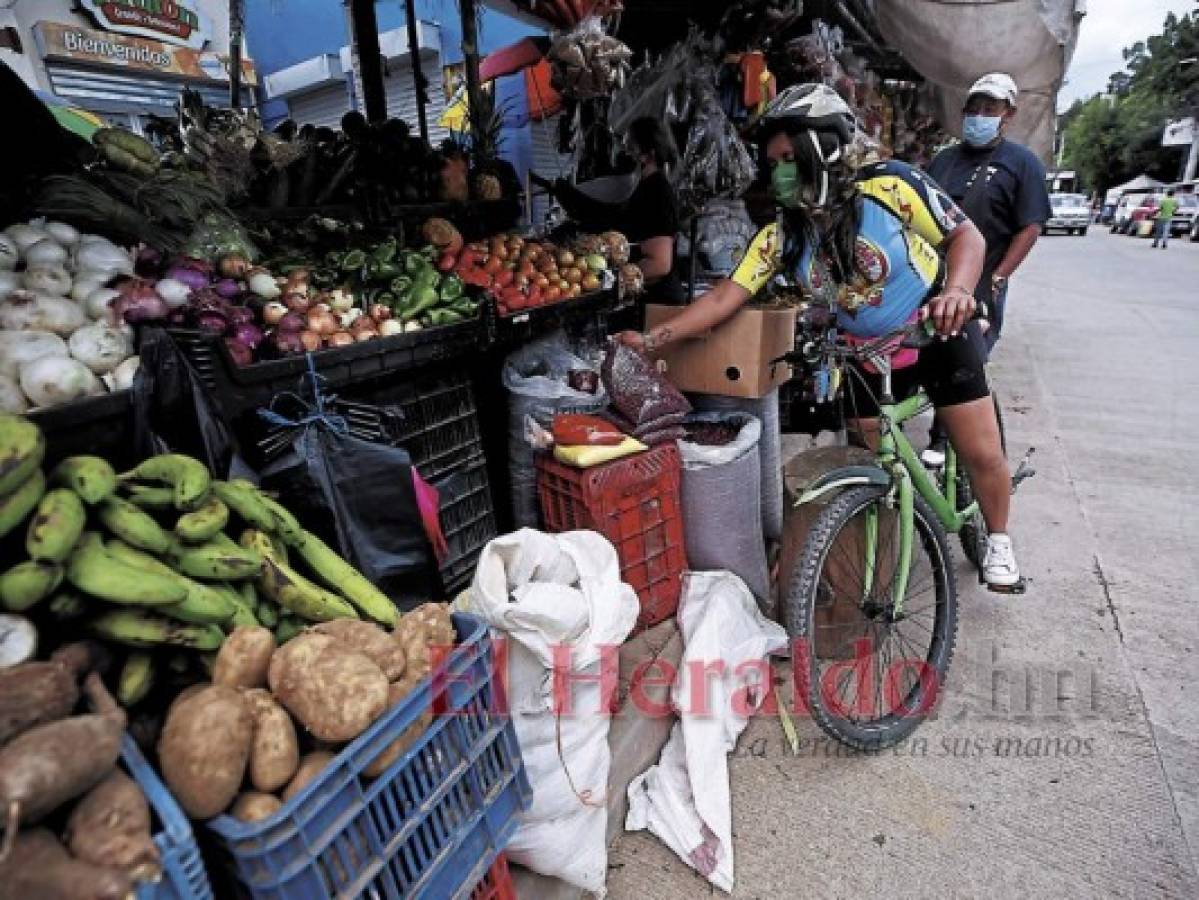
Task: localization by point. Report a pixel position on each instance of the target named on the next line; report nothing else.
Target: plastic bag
(638, 390)
(173, 411)
(536, 377)
(360, 498)
(217, 235)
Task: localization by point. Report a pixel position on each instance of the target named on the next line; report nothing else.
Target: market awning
(72, 118)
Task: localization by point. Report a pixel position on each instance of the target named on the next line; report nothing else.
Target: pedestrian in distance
(1164, 219)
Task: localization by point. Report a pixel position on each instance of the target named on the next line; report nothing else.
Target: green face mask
(784, 184)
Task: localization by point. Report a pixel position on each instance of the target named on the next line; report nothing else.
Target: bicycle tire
(800, 614)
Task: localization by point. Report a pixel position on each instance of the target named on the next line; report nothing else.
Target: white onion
(19, 347)
(65, 234)
(53, 380)
(263, 284)
(12, 398)
(122, 375)
(9, 282)
(173, 293)
(103, 255)
(10, 255)
(46, 254)
(30, 311)
(47, 280)
(100, 347)
(24, 235)
(87, 281)
(98, 304)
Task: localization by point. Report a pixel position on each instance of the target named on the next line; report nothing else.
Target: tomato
(576, 290)
(551, 294)
(527, 268)
(493, 265)
(505, 277)
(446, 263)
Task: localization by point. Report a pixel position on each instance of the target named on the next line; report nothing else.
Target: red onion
(287, 341)
(212, 321)
(193, 278)
(139, 302)
(248, 334)
(292, 322)
(241, 353)
(227, 288)
(177, 318)
(239, 315)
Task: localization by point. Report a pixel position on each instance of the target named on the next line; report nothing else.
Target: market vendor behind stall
(649, 217)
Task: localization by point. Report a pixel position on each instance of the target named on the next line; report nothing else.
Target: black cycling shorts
(951, 372)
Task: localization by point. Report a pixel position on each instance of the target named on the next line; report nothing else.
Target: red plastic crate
(496, 884)
(634, 503)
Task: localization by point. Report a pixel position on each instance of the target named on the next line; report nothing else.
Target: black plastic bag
(359, 497)
(172, 410)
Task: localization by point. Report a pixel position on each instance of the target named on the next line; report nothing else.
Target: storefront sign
(173, 21)
(82, 45)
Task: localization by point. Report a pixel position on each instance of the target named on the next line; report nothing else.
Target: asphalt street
(1064, 760)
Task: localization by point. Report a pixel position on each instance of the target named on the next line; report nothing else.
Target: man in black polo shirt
(1009, 204)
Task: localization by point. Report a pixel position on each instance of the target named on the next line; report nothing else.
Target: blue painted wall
(281, 33)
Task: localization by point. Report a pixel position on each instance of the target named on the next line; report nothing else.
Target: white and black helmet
(821, 126)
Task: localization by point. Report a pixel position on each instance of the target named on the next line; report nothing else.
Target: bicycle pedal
(1019, 587)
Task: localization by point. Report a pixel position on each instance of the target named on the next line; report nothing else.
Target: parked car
(1186, 216)
(1069, 213)
(1128, 203)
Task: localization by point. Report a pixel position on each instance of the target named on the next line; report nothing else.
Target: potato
(400, 745)
(204, 748)
(310, 766)
(187, 693)
(299, 653)
(253, 806)
(34, 693)
(368, 638)
(337, 696)
(274, 751)
(110, 827)
(39, 868)
(244, 657)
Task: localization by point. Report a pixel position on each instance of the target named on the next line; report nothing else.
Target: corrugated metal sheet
(401, 93)
(323, 106)
(118, 93)
(547, 162)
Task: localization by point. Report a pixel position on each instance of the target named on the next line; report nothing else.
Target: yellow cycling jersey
(905, 218)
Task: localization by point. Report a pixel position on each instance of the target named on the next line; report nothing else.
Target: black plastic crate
(521, 326)
(467, 521)
(97, 425)
(239, 389)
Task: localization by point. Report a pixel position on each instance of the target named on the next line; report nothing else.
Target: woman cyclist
(882, 244)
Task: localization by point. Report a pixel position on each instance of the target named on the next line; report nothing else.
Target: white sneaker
(999, 566)
(933, 458)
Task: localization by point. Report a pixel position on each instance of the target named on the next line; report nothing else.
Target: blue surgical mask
(978, 131)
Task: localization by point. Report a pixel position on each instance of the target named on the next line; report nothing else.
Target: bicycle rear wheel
(868, 675)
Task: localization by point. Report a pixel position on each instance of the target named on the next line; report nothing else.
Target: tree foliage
(1111, 138)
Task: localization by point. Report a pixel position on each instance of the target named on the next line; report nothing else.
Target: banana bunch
(163, 559)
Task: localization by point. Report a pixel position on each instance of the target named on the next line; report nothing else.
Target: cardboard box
(733, 359)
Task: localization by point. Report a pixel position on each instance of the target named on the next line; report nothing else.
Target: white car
(1069, 213)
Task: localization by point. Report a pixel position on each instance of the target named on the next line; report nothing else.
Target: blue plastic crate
(183, 874)
(429, 826)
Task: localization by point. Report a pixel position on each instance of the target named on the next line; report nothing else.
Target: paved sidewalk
(1065, 759)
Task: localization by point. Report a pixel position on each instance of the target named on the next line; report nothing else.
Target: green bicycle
(871, 601)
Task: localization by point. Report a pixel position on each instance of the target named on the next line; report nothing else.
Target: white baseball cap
(997, 85)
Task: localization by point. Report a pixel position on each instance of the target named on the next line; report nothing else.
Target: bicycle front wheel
(870, 673)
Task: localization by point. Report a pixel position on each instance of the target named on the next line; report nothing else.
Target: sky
(1108, 27)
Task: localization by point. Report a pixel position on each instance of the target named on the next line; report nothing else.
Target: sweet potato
(244, 658)
(204, 748)
(310, 766)
(274, 752)
(297, 654)
(393, 751)
(39, 868)
(253, 806)
(368, 638)
(110, 827)
(337, 696)
(37, 692)
(56, 762)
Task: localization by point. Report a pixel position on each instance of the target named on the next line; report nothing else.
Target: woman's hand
(951, 311)
(634, 339)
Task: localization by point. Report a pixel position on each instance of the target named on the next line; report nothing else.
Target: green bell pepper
(401, 286)
(421, 300)
(444, 317)
(385, 252)
(451, 288)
